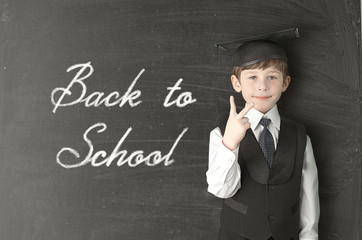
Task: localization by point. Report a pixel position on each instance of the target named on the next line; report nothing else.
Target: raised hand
(236, 126)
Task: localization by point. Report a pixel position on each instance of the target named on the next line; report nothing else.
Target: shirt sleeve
(309, 212)
(223, 175)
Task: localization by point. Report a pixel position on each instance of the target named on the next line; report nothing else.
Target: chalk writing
(95, 99)
(182, 100)
(76, 92)
(135, 158)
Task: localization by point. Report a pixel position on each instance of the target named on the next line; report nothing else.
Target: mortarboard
(255, 49)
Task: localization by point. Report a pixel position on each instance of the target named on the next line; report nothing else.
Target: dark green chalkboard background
(40, 39)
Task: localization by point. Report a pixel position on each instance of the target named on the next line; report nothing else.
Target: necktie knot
(265, 122)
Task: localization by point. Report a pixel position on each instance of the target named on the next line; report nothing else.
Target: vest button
(272, 218)
(271, 187)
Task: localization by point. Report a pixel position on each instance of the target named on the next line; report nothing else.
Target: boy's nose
(262, 85)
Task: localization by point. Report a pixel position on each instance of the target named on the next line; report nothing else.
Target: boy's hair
(279, 64)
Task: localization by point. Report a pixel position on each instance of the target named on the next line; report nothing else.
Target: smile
(262, 97)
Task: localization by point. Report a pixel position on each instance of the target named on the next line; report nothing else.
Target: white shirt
(223, 175)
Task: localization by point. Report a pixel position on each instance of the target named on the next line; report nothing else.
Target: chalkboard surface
(106, 109)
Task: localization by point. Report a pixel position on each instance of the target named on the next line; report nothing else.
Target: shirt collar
(255, 116)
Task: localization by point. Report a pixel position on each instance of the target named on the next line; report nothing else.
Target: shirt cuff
(308, 238)
(227, 155)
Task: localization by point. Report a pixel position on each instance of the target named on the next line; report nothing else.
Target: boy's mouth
(262, 97)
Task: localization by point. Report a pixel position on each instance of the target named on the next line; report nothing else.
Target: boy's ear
(236, 83)
(286, 83)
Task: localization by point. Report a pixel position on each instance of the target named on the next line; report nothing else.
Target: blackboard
(160, 57)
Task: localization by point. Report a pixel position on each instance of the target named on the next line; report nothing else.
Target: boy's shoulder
(294, 122)
(299, 128)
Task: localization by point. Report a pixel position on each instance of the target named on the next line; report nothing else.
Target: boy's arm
(223, 175)
(309, 212)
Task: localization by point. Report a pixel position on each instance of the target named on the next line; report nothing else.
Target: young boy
(260, 163)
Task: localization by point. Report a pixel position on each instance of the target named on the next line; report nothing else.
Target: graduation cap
(255, 49)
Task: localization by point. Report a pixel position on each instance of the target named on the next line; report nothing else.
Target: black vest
(268, 202)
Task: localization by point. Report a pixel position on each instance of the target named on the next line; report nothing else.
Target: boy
(262, 164)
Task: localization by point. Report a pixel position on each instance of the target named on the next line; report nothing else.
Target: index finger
(246, 109)
(232, 106)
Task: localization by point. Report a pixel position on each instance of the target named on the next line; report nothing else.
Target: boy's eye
(252, 77)
(272, 77)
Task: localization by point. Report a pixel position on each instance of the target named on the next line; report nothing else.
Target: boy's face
(261, 86)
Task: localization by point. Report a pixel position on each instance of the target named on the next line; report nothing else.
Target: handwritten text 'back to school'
(60, 97)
